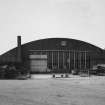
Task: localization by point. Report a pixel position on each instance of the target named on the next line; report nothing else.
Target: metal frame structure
(65, 60)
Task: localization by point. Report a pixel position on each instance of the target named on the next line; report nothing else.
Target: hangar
(54, 55)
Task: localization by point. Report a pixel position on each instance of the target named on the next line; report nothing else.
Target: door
(38, 63)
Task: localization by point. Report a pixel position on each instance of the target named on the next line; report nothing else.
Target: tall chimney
(19, 59)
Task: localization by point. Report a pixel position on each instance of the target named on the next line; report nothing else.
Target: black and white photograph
(52, 52)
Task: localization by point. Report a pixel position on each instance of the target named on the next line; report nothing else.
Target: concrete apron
(45, 76)
(34, 76)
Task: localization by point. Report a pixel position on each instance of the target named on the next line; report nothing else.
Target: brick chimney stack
(19, 59)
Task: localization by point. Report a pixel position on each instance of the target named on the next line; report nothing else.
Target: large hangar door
(38, 63)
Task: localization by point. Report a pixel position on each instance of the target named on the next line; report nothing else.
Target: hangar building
(54, 55)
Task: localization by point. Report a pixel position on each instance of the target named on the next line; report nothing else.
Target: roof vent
(63, 43)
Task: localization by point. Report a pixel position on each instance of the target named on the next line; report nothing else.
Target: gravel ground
(50, 91)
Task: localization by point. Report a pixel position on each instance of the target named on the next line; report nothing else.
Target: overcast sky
(38, 19)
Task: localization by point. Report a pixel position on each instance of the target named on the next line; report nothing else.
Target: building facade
(54, 55)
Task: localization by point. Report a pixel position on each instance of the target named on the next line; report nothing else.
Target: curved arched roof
(51, 44)
(55, 43)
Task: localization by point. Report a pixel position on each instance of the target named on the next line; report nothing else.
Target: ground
(50, 91)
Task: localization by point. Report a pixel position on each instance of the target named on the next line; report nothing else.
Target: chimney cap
(19, 36)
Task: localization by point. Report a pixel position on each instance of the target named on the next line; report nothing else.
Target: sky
(38, 19)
